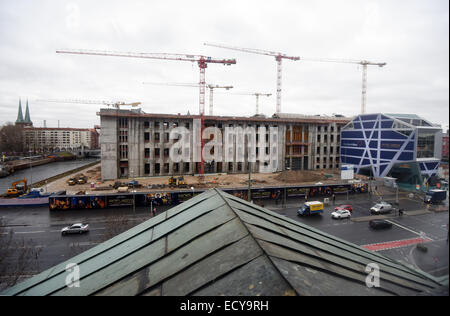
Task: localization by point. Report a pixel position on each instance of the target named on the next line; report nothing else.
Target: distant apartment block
(42, 139)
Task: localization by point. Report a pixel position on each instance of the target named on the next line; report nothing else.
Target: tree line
(11, 138)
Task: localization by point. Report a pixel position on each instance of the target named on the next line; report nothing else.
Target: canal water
(42, 172)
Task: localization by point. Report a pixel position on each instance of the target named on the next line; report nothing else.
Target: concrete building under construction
(137, 144)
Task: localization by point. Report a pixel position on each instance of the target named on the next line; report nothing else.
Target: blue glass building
(403, 146)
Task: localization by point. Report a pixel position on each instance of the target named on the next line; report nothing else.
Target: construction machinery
(17, 188)
(115, 104)
(202, 61)
(82, 179)
(172, 182)
(177, 182)
(278, 57)
(181, 182)
(211, 88)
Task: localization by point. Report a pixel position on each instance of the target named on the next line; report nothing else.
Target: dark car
(379, 224)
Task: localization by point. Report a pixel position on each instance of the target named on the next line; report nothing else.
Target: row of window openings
(325, 138)
(325, 160)
(176, 167)
(166, 152)
(325, 128)
(165, 125)
(166, 137)
(325, 150)
(325, 166)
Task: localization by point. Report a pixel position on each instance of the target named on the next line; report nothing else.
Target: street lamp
(31, 173)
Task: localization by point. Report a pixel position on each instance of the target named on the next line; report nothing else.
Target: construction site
(135, 144)
(89, 181)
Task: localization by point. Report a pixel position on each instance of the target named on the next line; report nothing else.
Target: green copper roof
(20, 115)
(218, 244)
(27, 115)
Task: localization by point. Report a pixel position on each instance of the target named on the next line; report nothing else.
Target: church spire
(20, 115)
(27, 115)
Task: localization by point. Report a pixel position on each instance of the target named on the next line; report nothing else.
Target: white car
(341, 214)
(77, 228)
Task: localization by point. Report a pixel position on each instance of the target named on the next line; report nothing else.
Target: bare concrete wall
(108, 144)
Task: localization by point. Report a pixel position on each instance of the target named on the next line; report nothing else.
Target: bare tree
(11, 138)
(18, 258)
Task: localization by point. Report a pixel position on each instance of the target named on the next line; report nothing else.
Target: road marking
(405, 228)
(32, 232)
(395, 244)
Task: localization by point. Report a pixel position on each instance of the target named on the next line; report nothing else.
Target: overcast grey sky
(411, 36)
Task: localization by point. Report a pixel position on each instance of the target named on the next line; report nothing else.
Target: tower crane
(364, 64)
(257, 95)
(202, 61)
(211, 88)
(108, 103)
(278, 57)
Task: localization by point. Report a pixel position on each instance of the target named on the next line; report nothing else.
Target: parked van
(381, 208)
(309, 208)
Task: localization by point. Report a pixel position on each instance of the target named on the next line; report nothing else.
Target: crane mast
(201, 60)
(364, 64)
(278, 57)
(257, 95)
(211, 88)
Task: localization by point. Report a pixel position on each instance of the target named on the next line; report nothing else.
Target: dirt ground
(94, 183)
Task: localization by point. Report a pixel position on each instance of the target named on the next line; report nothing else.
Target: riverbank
(39, 174)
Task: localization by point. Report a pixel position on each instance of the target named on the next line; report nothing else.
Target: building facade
(403, 146)
(445, 147)
(47, 139)
(137, 144)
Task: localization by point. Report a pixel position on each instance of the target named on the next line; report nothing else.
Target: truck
(310, 208)
(435, 196)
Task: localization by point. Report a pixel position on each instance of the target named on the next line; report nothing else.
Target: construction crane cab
(17, 188)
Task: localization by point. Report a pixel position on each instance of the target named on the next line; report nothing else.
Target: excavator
(17, 188)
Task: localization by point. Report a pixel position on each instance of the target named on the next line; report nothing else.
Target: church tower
(20, 120)
(19, 115)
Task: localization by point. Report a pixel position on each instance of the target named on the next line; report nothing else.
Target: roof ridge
(250, 233)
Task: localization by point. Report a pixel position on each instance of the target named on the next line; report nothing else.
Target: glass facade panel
(425, 144)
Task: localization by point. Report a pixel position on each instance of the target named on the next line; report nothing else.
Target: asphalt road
(42, 228)
(423, 223)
